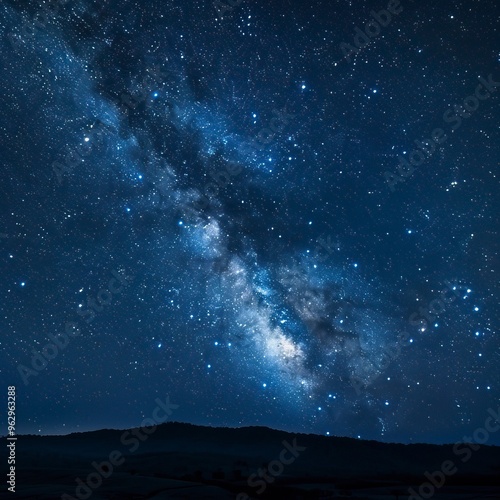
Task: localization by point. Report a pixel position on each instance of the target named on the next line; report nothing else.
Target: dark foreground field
(186, 461)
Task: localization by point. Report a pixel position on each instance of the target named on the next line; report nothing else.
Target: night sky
(216, 204)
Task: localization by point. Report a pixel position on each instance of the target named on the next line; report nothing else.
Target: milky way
(234, 171)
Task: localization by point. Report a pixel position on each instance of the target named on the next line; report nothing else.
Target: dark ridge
(217, 462)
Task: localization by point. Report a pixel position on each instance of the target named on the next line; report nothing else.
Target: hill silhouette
(178, 460)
